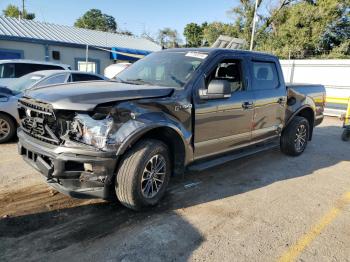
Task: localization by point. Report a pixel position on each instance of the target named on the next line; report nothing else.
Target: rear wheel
(295, 136)
(7, 128)
(346, 134)
(143, 174)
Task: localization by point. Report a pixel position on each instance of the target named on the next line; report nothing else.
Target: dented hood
(85, 96)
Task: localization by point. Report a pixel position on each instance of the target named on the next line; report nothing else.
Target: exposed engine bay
(69, 128)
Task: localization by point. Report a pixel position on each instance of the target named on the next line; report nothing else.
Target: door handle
(247, 105)
(282, 100)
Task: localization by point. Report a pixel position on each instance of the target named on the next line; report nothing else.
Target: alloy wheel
(300, 138)
(153, 176)
(4, 128)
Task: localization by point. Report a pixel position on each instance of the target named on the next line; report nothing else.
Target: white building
(68, 45)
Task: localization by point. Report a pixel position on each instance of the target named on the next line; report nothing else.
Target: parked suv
(11, 69)
(173, 110)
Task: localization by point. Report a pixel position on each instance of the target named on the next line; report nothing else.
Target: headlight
(90, 131)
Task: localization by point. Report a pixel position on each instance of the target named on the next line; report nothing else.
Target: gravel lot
(262, 208)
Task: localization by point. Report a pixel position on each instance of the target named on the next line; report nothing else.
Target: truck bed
(312, 94)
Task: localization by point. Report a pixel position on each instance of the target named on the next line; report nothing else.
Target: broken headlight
(92, 132)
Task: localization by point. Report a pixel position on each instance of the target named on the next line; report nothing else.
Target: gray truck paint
(193, 128)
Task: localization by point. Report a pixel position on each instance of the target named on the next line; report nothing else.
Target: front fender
(133, 130)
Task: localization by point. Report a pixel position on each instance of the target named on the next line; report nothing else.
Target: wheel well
(175, 144)
(308, 113)
(10, 116)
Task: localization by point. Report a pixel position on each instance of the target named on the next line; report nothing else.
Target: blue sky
(133, 15)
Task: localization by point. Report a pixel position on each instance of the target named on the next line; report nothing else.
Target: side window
(230, 70)
(39, 67)
(265, 75)
(57, 79)
(23, 69)
(84, 77)
(7, 70)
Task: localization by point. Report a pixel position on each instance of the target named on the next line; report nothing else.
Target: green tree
(14, 11)
(94, 19)
(309, 28)
(244, 15)
(126, 32)
(193, 34)
(212, 31)
(168, 38)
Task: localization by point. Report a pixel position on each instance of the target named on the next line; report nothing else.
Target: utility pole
(253, 29)
(23, 9)
(86, 58)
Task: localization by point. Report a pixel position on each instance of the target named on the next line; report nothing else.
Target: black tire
(289, 138)
(8, 124)
(345, 136)
(132, 169)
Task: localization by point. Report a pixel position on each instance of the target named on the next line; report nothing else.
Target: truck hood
(85, 96)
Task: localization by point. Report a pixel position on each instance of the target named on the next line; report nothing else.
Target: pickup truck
(174, 110)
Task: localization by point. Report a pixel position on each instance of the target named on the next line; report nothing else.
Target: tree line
(289, 29)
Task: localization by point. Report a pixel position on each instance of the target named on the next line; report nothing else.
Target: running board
(205, 164)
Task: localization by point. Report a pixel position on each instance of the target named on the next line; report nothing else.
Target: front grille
(38, 120)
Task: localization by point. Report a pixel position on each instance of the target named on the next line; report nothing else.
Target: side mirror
(217, 89)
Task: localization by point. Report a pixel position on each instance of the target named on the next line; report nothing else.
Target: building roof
(13, 28)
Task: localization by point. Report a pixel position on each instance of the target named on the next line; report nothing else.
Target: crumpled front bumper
(77, 172)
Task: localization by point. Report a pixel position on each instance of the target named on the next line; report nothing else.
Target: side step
(205, 164)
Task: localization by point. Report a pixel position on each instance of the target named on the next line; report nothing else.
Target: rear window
(23, 69)
(84, 77)
(265, 75)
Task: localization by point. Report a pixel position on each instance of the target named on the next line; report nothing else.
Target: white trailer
(333, 74)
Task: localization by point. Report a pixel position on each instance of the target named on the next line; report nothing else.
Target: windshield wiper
(138, 81)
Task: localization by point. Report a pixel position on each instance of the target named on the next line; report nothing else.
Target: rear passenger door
(270, 99)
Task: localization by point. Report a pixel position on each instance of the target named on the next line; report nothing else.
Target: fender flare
(138, 133)
(298, 111)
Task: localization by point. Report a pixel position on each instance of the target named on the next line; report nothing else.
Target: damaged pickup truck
(174, 110)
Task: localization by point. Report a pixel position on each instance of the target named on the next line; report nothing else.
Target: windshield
(172, 69)
(24, 82)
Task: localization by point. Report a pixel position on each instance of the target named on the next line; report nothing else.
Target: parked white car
(12, 69)
(112, 70)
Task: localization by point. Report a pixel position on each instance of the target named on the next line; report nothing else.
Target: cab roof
(211, 51)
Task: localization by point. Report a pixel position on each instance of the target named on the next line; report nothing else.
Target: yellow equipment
(346, 123)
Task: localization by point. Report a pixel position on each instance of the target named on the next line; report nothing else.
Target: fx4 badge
(179, 107)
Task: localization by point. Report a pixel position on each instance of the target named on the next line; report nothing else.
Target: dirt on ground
(258, 208)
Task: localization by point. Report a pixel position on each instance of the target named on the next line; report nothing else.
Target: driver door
(223, 124)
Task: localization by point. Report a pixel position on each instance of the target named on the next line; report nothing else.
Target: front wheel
(143, 174)
(294, 138)
(7, 128)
